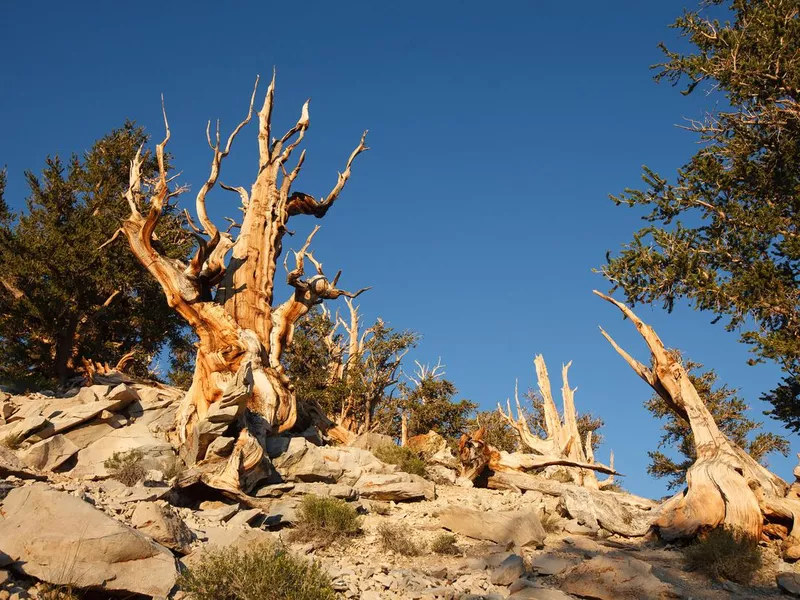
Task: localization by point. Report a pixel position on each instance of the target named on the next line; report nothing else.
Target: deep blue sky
(497, 133)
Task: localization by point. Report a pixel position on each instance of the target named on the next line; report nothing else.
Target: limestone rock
(136, 436)
(789, 582)
(441, 474)
(539, 593)
(11, 465)
(247, 517)
(163, 525)
(395, 486)
(60, 539)
(303, 461)
(49, 454)
(336, 490)
(609, 578)
(546, 564)
(372, 441)
(508, 571)
(523, 528)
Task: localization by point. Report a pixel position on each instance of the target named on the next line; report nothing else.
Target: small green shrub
(325, 520)
(397, 539)
(402, 456)
(126, 467)
(445, 543)
(725, 554)
(261, 572)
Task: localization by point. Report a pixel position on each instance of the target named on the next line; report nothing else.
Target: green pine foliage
(497, 431)
(430, 405)
(724, 232)
(63, 298)
(368, 384)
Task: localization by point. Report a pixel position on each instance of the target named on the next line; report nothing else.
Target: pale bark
(239, 386)
(562, 441)
(478, 458)
(725, 486)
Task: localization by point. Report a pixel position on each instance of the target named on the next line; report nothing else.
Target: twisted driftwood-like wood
(562, 438)
(225, 293)
(725, 486)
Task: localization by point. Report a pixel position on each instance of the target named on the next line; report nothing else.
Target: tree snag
(239, 387)
(562, 439)
(562, 445)
(725, 486)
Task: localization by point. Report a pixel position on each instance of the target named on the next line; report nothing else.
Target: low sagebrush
(725, 554)
(445, 543)
(260, 572)
(402, 456)
(325, 520)
(126, 467)
(397, 539)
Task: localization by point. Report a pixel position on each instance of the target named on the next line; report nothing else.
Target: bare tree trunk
(477, 457)
(239, 386)
(562, 439)
(725, 486)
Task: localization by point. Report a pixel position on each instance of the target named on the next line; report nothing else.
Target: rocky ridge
(64, 521)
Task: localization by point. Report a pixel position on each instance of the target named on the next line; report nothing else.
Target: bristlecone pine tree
(724, 233)
(239, 386)
(725, 486)
(730, 414)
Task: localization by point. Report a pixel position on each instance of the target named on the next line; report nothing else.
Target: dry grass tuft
(13, 441)
(126, 467)
(445, 543)
(397, 539)
(725, 554)
(551, 522)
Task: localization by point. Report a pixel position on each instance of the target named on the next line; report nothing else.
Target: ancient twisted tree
(239, 391)
(725, 486)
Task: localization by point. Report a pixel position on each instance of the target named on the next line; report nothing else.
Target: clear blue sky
(497, 132)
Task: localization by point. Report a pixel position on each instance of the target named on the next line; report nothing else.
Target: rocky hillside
(93, 497)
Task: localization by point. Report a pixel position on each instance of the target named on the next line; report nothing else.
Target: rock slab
(50, 453)
(60, 539)
(611, 578)
(523, 527)
(163, 525)
(508, 571)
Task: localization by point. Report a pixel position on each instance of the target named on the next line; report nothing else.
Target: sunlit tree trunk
(239, 386)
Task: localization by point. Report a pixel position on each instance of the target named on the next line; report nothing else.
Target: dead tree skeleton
(562, 438)
(239, 387)
(562, 445)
